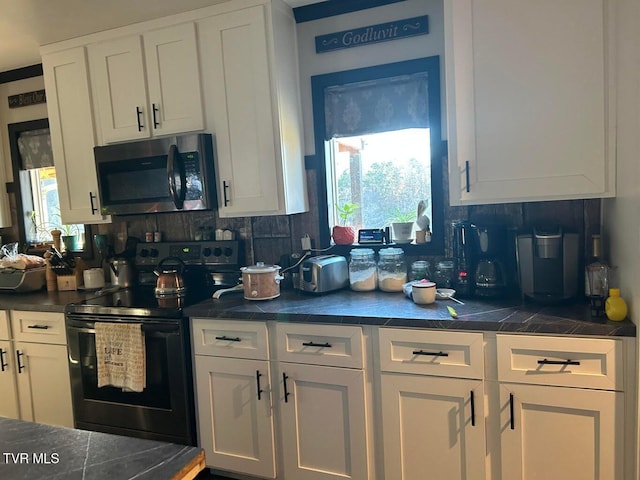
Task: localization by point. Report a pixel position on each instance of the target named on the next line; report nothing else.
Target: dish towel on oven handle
(120, 352)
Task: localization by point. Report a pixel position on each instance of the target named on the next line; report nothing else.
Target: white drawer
(429, 352)
(565, 361)
(230, 338)
(5, 331)
(330, 345)
(38, 327)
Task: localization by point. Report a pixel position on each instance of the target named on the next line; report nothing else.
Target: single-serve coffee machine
(548, 264)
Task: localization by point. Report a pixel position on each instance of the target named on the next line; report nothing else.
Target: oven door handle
(146, 329)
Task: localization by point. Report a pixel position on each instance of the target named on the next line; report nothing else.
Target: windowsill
(410, 249)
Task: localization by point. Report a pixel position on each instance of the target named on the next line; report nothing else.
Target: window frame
(15, 129)
(431, 65)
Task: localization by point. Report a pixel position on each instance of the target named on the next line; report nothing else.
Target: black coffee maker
(480, 255)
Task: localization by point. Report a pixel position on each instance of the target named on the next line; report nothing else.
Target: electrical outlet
(305, 242)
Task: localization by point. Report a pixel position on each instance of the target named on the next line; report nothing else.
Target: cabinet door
(529, 100)
(323, 413)
(8, 394)
(235, 414)
(433, 425)
(44, 389)
(173, 80)
(234, 46)
(555, 432)
(117, 74)
(66, 80)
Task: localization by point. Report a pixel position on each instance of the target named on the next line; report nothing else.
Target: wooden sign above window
(382, 32)
(27, 99)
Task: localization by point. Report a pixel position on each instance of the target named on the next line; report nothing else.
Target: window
(385, 174)
(36, 187)
(380, 131)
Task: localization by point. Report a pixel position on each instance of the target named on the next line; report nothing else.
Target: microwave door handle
(176, 176)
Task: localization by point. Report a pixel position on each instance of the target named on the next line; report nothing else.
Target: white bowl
(444, 293)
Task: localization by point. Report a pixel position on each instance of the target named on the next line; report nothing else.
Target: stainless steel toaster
(324, 273)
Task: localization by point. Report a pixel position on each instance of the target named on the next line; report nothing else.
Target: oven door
(162, 411)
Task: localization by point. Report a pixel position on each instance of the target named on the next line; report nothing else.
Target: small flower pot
(343, 235)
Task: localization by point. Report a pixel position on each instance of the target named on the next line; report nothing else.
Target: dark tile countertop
(374, 308)
(32, 451)
(41, 301)
(396, 310)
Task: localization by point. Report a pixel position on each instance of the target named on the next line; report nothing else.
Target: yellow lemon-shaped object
(615, 307)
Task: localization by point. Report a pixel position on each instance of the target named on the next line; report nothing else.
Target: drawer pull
(2, 362)
(473, 409)
(139, 118)
(258, 375)
(229, 339)
(20, 365)
(39, 327)
(314, 344)
(512, 422)
(286, 392)
(433, 354)
(558, 362)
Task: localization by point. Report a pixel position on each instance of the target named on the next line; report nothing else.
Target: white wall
(621, 215)
(312, 63)
(14, 115)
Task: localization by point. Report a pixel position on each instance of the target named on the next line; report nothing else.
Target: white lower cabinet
(433, 425)
(322, 401)
(235, 415)
(560, 433)
(319, 410)
(233, 393)
(431, 421)
(561, 411)
(312, 402)
(34, 378)
(323, 422)
(44, 389)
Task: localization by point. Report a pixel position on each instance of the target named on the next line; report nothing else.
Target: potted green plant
(345, 234)
(69, 237)
(402, 224)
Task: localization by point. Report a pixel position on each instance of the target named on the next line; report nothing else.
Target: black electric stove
(209, 266)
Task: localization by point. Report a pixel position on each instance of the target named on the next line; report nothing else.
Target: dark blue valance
(375, 106)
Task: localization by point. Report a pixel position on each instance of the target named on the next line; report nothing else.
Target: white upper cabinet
(250, 85)
(66, 82)
(147, 85)
(529, 100)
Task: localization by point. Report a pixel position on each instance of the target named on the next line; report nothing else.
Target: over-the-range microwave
(159, 175)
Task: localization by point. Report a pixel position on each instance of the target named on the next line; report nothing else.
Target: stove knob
(217, 252)
(154, 252)
(228, 252)
(206, 252)
(144, 253)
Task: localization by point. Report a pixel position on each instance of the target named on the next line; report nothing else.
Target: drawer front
(230, 338)
(38, 327)
(330, 345)
(572, 362)
(5, 331)
(429, 352)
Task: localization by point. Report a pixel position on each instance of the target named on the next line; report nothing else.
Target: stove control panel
(211, 254)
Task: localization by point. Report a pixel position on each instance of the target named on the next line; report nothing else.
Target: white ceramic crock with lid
(261, 282)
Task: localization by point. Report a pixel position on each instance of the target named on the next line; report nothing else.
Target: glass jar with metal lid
(420, 270)
(362, 270)
(392, 270)
(443, 274)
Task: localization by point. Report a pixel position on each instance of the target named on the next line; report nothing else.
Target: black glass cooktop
(139, 301)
